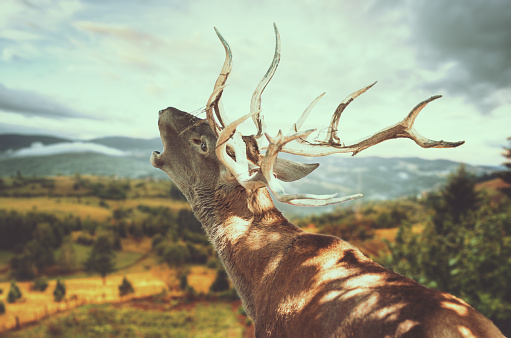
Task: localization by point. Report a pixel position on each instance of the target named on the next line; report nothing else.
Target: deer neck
(249, 233)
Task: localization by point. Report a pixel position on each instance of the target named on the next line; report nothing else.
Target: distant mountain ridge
(18, 141)
(10, 143)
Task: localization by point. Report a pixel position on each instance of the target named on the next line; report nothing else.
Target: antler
(258, 171)
(402, 129)
(214, 102)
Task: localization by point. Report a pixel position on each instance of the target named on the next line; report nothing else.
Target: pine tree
(125, 287)
(459, 197)
(101, 258)
(67, 258)
(506, 175)
(14, 293)
(221, 282)
(60, 291)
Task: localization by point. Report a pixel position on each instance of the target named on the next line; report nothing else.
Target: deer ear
(289, 171)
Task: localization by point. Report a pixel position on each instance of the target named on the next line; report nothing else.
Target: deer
(294, 283)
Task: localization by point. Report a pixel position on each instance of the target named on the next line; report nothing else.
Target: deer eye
(204, 146)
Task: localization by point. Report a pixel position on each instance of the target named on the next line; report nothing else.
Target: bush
(40, 284)
(198, 253)
(60, 291)
(176, 255)
(183, 281)
(2, 307)
(157, 239)
(161, 248)
(85, 239)
(221, 282)
(125, 287)
(14, 293)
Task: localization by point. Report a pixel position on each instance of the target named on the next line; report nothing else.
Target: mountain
(129, 144)
(15, 142)
(376, 177)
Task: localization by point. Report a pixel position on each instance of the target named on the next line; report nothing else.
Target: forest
(56, 231)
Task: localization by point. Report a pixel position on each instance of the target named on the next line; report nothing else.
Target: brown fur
(292, 283)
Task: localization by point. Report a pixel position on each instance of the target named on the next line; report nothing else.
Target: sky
(87, 69)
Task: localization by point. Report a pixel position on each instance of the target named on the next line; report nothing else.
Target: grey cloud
(473, 35)
(32, 104)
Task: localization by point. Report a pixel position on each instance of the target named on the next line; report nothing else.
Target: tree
(14, 293)
(67, 257)
(125, 287)
(60, 291)
(40, 284)
(221, 282)
(101, 258)
(2, 307)
(464, 249)
(176, 255)
(506, 175)
(459, 197)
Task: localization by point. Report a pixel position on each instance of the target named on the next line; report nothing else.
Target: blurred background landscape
(97, 218)
(94, 241)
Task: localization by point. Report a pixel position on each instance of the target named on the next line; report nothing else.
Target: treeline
(35, 236)
(105, 188)
(359, 223)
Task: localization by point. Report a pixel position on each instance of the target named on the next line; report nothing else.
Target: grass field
(37, 305)
(217, 319)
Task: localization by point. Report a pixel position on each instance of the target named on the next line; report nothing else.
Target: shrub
(157, 239)
(213, 263)
(221, 282)
(60, 291)
(183, 281)
(85, 239)
(40, 284)
(198, 253)
(14, 293)
(161, 248)
(176, 255)
(125, 287)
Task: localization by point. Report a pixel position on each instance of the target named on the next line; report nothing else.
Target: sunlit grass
(203, 320)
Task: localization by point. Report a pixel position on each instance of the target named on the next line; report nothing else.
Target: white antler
(256, 171)
(402, 129)
(272, 151)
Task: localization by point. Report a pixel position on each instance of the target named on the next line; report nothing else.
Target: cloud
(38, 149)
(472, 36)
(32, 104)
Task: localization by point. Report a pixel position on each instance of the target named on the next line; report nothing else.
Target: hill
(378, 178)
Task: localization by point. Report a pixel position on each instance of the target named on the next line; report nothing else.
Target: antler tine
(332, 128)
(255, 103)
(222, 78)
(274, 147)
(402, 129)
(214, 103)
(238, 167)
(296, 126)
(422, 141)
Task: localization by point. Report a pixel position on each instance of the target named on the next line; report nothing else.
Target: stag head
(201, 155)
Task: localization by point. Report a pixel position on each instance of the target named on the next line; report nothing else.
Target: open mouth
(156, 160)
